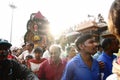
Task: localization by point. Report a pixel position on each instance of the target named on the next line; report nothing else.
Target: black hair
(31, 44)
(106, 43)
(29, 57)
(38, 50)
(81, 39)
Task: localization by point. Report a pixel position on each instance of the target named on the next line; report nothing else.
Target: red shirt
(50, 71)
(10, 56)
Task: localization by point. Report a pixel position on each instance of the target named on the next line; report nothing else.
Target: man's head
(110, 44)
(55, 51)
(29, 46)
(38, 52)
(114, 19)
(4, 49)
(86, 43)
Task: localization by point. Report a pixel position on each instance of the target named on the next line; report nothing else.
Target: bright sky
(60, 14)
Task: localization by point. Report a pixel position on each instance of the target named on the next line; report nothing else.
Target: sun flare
(56, 30)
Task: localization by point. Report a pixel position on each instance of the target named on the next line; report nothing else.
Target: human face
(55, 53)
(3, 55)
(38, 55)
(115, 46)
(27, 46)
(90, 46)
(72, 52)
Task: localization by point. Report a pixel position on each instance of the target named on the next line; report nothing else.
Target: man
(10, 69)
(110, 46)
(52, 69)
(35, 63)
(83, 66)
(29, 51)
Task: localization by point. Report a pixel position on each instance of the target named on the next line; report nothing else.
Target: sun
(56, 30)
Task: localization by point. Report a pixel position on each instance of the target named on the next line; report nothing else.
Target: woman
(114, 28)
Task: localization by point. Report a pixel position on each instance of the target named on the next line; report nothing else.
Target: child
(34, 63)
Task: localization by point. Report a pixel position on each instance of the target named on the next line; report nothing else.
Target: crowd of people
(86, 60)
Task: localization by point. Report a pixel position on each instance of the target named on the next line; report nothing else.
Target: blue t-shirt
(76, 69)
(108, 64)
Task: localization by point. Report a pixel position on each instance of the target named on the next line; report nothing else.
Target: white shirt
(25, 53)
(34, 66)
(46, 54)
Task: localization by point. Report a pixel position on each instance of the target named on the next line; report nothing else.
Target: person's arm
(68, 72)
(22, 72)
(21, 56)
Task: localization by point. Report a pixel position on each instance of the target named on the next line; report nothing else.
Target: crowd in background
(85, 60)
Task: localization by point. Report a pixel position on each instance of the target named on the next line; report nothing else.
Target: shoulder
(43, 59)
(95, 60)
(112, 77)
(73, 62)
(102, 57)
(14, 62)
(44, 63)
(37, 61)
(32, 60)
(24, 52)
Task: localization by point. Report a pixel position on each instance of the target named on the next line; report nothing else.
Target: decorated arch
(38, 30)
